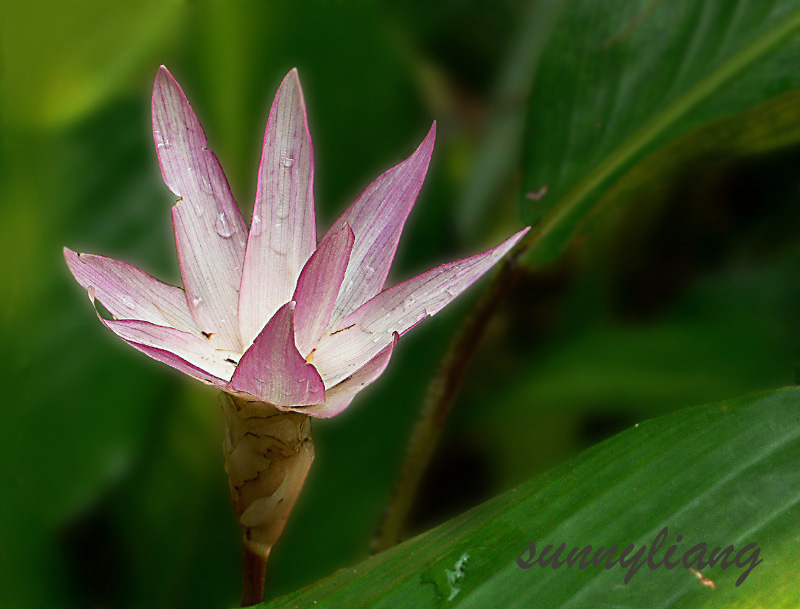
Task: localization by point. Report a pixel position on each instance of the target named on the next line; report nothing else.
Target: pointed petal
(338, 397)
(129, 293)
(181, 350)
(272, 369)
(209, 230)
(318, 287)
(283, 233)
(377, 218)
(174, 361)
(365, 332)
(186, 352)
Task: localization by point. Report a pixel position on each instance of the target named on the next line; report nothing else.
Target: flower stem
(439, 398)
(268, 453)
(254, 570)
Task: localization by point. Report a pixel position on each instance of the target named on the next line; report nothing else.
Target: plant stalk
(254, 571)
(439, 398)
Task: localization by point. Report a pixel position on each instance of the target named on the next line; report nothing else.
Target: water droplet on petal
(279, 246)
(452, 292)
(257, 226)
(369, 271)
(409, 302)
(161, 140)
(128, 303)
(288, 161)
(205, 185)
(197, 300)
(223, 227)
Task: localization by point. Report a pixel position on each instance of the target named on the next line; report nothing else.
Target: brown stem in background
(268, 453)
(439, 398)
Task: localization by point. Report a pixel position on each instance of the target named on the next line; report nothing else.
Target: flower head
(271, 314)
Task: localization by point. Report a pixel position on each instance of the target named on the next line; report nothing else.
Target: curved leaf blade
(725, 473)
(618, 80)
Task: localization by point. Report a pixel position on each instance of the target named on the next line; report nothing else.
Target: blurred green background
(112, 481)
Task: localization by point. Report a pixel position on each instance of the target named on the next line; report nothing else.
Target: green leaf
(772, 125)
(724, 474)
(620, 79)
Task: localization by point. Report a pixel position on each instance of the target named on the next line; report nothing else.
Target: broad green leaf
(772, 125)
(620, 79)
(726, 474)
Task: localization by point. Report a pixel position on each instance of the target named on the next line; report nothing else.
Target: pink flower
(272, 315)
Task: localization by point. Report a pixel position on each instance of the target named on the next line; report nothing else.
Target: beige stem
(268, 453)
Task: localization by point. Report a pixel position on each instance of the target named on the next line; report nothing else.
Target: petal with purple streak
(129, 293)
(209, 230)
(338, 397)
(318, 286)
(366, 331)
(272, 369)
(283, 232)
(377, 218)
(190, 354)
